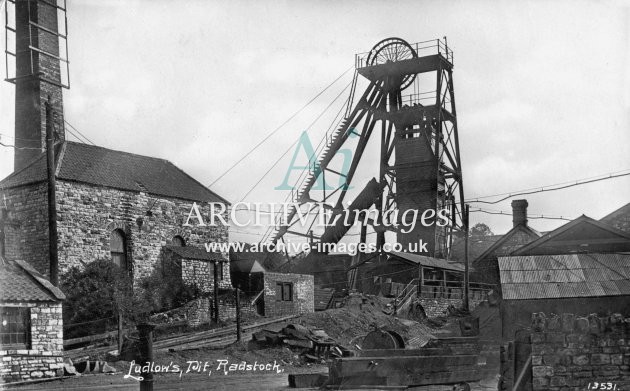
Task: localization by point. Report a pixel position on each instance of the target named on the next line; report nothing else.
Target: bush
(95, 295)
(163, 293)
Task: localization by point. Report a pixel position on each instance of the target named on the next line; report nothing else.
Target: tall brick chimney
(519, 212)
(37, 76)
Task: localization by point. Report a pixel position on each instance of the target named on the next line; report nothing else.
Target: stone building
(272, 293)
(195, 266)
(31, 328)
(288, 294)
(110, 205)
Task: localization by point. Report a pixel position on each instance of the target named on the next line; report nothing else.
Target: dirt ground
(200, 368)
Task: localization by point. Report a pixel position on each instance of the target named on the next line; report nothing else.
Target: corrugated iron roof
(437, 263)
(561, 276)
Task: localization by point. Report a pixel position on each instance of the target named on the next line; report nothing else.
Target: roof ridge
(199, 183)
(160, 159)
(615, 212)
(41, 280)
(100, 166)
(117, 150)
(552, 234)
(505, 237)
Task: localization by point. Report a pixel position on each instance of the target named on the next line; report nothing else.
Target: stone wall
(303, 299)
(437, 302)
(439, 307)
(44, 358)
(201, 273)
(86, 216)
(26, 230)
(568, 352)
(199, 311)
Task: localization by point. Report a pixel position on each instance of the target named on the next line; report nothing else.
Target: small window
(178, 241)
(219, 266)
(118, 247)
(15, 327)
(284, 291)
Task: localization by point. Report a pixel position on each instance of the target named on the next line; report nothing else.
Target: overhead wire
(529, 216)
(558, 186)
(261, 142)
(78, 131)
(20, 148)
(293, 144)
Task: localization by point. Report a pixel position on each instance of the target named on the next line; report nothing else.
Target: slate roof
(564, 276)
(191, 252)
(100, 166)
(477, 245)
(619, 218)
(500, 246)
(20, 282)
(437, 263)
(583, 234)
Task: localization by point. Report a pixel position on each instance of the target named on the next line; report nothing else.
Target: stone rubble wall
(568, 352)
(86, 216)
(201, 273)
(303, 294)
(44, 358)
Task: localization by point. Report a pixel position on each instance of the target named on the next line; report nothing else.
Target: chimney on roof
(38, 74)
(519, 212)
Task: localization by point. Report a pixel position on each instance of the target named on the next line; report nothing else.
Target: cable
(558, 186)
(79, 139)
(528, 215)
(13, 146)
(77, 130)
(278, 128)
(18, 138)
(293, 145)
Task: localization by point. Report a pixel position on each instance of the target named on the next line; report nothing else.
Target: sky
(542, 90)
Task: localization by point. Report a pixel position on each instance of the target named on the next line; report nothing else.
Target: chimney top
(519, 212)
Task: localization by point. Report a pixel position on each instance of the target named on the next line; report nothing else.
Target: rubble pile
(314, 344)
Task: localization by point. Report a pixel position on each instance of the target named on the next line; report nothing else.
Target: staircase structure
(419, 164)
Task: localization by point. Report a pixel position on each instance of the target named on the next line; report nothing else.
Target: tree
(480, 229)
(94, 297)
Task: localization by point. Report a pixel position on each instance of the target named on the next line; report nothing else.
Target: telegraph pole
(52, 200)
(217, 265)
(466, 271)
(238, 315)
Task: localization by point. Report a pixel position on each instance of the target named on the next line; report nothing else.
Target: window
(178, 241)
(284, 291)
(219, 267)
(15, 327)
(118, 245)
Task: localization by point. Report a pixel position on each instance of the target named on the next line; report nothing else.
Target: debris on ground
(314, 345)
